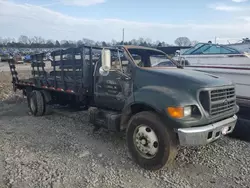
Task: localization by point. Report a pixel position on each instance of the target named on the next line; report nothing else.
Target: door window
(119, 62)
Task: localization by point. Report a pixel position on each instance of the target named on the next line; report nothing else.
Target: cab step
(104, 118)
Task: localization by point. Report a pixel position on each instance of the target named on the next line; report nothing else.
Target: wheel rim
(145, 141)
(32, 105)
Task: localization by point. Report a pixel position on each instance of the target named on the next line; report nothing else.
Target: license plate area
(228, 128)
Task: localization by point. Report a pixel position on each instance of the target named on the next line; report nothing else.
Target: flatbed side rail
(38, 71)
(14, 73)
(71, 71)
(62, 71)
(67, 69)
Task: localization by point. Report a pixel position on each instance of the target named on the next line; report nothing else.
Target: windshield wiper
(175, 62)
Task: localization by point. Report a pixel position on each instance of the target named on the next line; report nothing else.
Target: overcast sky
(162, 20)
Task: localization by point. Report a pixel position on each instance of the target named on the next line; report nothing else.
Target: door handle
(127, 78)
(123, 78)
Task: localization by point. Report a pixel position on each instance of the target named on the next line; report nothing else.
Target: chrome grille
(221, 94)
(218, 101)
(222, 100)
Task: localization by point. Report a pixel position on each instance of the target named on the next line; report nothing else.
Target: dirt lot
(61, 150)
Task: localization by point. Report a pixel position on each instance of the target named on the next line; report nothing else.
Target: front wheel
(151, 144)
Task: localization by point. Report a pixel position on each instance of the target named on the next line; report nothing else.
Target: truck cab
(143, 83)
(141, 91)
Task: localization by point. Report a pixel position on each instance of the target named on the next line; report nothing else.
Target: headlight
(179, 112)
(187, 111)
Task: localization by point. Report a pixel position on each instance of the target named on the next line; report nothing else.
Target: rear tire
(150, 156)
(36, 103)
(47, 99)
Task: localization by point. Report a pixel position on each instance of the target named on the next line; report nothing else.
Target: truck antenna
(123, 36)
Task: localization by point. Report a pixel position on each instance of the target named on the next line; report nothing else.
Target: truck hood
(186, 78)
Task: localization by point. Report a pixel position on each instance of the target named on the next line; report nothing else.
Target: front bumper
(194, 136)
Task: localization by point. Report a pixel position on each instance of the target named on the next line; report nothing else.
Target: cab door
(112, 90)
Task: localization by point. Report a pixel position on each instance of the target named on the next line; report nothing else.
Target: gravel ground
(61, 150)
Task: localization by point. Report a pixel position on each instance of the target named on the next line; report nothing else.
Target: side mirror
(106, 62)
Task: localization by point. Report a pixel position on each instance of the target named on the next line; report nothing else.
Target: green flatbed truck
(137, 90)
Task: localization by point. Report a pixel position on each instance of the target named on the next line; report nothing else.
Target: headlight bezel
(182, 112)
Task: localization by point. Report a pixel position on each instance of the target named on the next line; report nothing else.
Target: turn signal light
(176, 112)
(179, 112)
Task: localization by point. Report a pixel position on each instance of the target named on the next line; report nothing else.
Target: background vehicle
(27, 59)
(221, 60)
(127, 88)
(4, 57)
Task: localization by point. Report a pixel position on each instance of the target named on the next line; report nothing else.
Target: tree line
(39, 42)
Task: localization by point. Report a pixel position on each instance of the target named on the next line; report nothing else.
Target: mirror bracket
(103, 72)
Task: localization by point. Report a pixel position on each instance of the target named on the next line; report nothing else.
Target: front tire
(150, 142)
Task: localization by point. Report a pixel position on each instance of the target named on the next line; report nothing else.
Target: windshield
(150, 58)
(161, 61)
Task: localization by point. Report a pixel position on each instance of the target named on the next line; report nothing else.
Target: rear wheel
(36, 103)
(47, 106)
(152, 145)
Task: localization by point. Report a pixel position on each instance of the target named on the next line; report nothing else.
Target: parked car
(18, 59)
(27, 59)
(4, 57)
